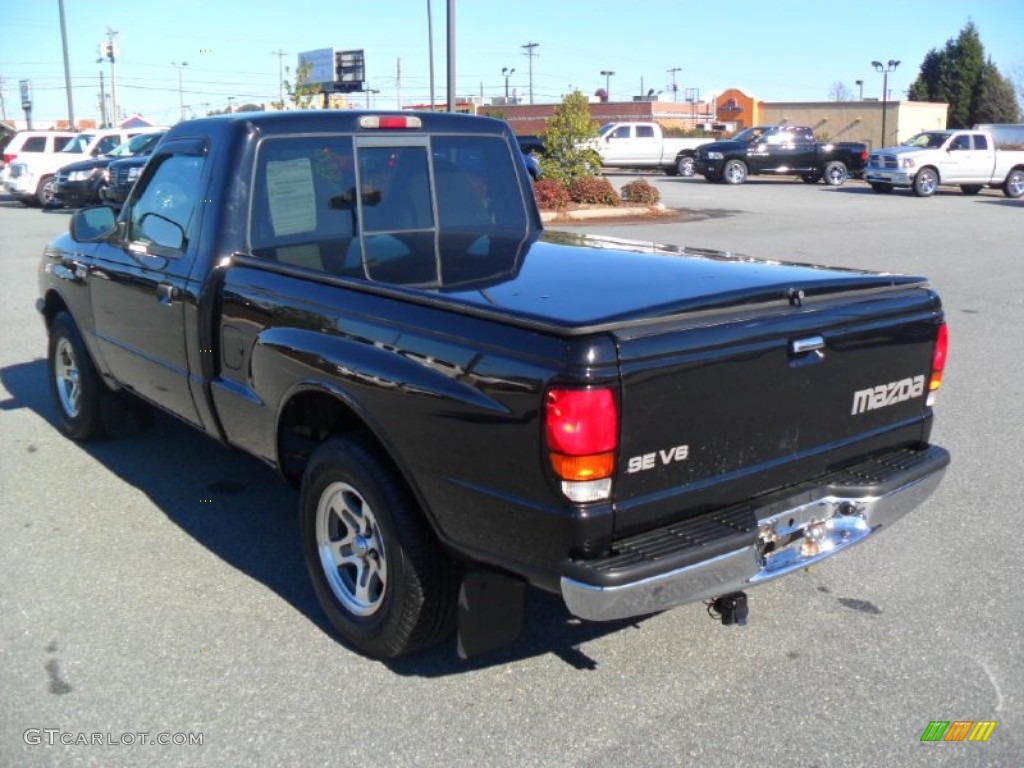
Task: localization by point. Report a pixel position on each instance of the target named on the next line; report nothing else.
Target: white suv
(31, 177)
(32, 142)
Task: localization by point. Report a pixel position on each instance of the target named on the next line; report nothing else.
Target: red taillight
(582, 431)
(8, 159)
(939, 358)
(582, 421)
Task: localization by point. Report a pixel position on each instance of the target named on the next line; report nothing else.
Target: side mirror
(90, 225)
(161, 231)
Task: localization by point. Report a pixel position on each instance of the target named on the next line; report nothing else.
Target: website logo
(958, 730)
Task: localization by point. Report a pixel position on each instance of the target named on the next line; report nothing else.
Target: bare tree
(839, 92)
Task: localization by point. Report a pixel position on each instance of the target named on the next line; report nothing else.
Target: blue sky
(778, 51)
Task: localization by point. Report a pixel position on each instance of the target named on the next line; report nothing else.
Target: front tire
(686, 166)
(75, 386)
(835, 173)
(46, 192)
(379, 573)
(734, 172)
(926, 182)
(1013, 187)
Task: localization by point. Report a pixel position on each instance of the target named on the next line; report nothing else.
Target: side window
(980, 141)
(59, 142)
(622, 132)
(963, 141)
(645, 131)
(304, 204)
(163, 214)
(34, 144)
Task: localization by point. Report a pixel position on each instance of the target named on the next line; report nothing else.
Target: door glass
(164, 213)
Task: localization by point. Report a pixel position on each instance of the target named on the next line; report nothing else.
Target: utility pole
(280, 73)
(430, 51)
(398, 86)
(675, 88)
(67, 67)
(181, 97)
(112, 55)
(451, 55)
(3, 105)
(530, 55)
(103, 103)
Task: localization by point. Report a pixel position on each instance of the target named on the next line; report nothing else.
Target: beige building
(858, 120)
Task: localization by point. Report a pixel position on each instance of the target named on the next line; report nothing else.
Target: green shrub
(593, 190)
(640, 192)
(551, 194)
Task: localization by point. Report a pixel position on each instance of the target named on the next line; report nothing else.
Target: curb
(602, 212)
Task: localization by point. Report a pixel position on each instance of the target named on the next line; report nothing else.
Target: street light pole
(860, 84)
(507, 73)
(607, 83)
(181, 98)
(885, 69)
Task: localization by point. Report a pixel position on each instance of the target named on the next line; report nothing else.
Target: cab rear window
(422, 205)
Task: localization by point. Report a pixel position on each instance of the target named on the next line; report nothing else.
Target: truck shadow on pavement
(245, 514)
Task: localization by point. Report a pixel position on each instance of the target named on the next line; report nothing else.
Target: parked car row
(89, 181)
(32, 165)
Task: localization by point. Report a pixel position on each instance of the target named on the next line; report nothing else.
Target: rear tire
(1013, 187)
(734, 172)
(75, 386)
(835, 173)
(380, 575)
(881, 187)
(926, 182)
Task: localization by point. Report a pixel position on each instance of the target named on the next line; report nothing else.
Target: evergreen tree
(960, 76)
(997, 99)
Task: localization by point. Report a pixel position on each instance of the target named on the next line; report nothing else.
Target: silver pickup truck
(928, 160)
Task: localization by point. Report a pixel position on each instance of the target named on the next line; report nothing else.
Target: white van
(31, 177)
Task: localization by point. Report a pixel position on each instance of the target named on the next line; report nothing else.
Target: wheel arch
(53, 304)
(313, 412)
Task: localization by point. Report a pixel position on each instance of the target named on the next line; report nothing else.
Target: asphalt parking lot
(154, 584)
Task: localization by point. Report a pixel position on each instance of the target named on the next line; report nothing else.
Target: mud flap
(491, 607)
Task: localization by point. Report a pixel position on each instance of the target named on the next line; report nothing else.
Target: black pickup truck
(368, 303)
(780, 150)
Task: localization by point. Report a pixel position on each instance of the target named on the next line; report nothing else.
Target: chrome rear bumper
(793, 533)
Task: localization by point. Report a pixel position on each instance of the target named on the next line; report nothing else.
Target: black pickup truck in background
(780, 150)
(367, 302)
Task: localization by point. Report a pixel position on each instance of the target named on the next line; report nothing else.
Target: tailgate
(718, 409)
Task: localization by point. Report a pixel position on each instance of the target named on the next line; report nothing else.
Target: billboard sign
(321, 63)
(26, 94)
(349, 71)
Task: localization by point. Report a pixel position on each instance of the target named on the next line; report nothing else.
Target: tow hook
(730, 609)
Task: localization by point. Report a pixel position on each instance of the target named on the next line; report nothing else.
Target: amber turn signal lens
(593, 467)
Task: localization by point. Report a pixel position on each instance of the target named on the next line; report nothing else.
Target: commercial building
(733, 110)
